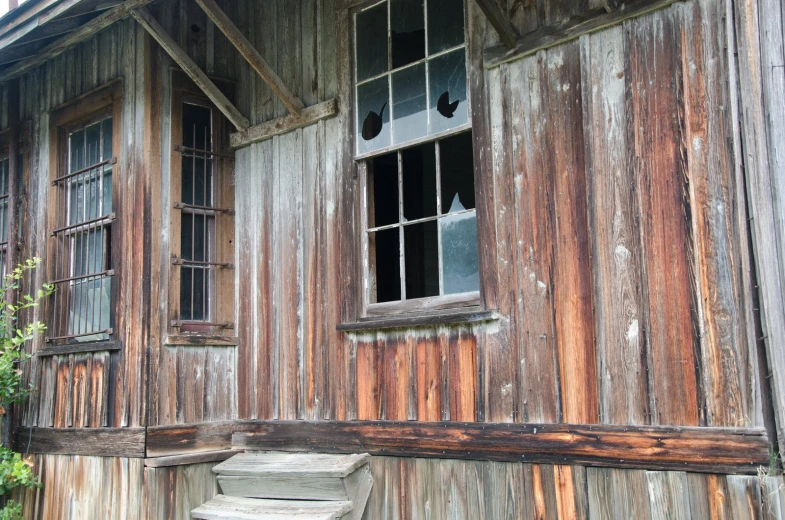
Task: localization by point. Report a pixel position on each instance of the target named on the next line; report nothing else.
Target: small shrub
(16, 471)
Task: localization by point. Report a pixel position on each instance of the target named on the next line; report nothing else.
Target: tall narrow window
(414, 143)
(5, 204)
(201, 256)
(81, 308)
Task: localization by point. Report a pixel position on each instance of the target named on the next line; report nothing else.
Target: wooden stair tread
(300, 464)
(224, 507)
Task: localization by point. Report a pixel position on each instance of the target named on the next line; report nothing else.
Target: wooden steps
(265, 486)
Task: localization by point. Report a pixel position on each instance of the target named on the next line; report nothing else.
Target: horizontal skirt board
(705, 450)
(96, 442)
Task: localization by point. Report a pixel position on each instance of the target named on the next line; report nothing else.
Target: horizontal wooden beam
(270, 129)
(183, 439)
(500, 21)
(421, 320)
(95, 442)
(190, 458)
(61, 45)
(707, 450)
(570, 29)
(251, 55)
(159, 34)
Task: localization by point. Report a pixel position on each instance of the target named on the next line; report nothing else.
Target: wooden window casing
(213, 206)
(82, 205)
(440, 301)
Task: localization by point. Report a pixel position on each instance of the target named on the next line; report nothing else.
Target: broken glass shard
(407, 31)
(372, 42)
(445, 25)
(459, 253)
(373, 115)
(448, 91)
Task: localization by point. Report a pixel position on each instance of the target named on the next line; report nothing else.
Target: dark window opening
(419, 247)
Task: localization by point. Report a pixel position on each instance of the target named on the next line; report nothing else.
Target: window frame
(93, 106)
(439, 304)
(221, 323)
(23, 142)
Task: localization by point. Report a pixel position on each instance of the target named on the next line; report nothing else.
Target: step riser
(281, 487)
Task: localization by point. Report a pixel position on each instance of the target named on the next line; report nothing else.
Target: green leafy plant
(16, 471)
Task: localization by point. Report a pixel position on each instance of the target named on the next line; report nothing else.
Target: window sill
(200, 340)
(473, 315)
(79, 348)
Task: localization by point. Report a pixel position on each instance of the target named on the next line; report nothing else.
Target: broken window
(422, 231)
(410, 72)
(414, 138)
(202, 220)
(81, 303)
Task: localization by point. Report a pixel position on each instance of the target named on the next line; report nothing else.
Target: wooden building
(527, 254)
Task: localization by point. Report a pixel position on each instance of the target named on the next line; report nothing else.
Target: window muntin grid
(402, 100)
(81, 303)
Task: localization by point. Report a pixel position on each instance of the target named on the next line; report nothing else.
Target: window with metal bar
(81, 304)
(413, 138)
(5, 202)
(202, 220)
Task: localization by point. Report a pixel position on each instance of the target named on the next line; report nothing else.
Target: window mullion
(401, 244)
(437, 149)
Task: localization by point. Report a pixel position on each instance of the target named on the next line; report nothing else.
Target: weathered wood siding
(99, 388)
(174, 491)
(614, 237)
(410, 489)
(77, 488)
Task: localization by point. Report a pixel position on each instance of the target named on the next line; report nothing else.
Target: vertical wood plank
(655, 90)
(615, 250)
(572, 265)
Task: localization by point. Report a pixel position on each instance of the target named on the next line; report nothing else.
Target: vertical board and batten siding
(100, 388)
(619, 261)
(77, 487)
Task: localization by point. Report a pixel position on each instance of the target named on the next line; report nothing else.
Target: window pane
(410, 105)
(93, 144)
(373, 115)
(445, 25)
(419, 182)
(107, 131)
(197, 127)
(459, 253)
(448, 91)
(90, 308)
(422, 260)
(194, 287)
(371, 43)
(385, 256)
(383, 184)
(457, 172)
(407, 25)
(76, 145)
(194, 239)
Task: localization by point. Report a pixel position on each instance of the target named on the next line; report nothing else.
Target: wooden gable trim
(159, 34)
(251, 55)
(61, 45)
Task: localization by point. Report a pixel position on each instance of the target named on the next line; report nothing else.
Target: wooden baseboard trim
(93, 442)
(704, 450)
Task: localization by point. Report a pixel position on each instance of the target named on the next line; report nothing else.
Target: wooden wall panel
(172, 492)
(77, 487)
(450, 490)
(201, 385)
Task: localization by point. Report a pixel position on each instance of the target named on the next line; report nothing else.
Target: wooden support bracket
(251, 55)
(500, 21)
(270, 129)
(151, 25)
